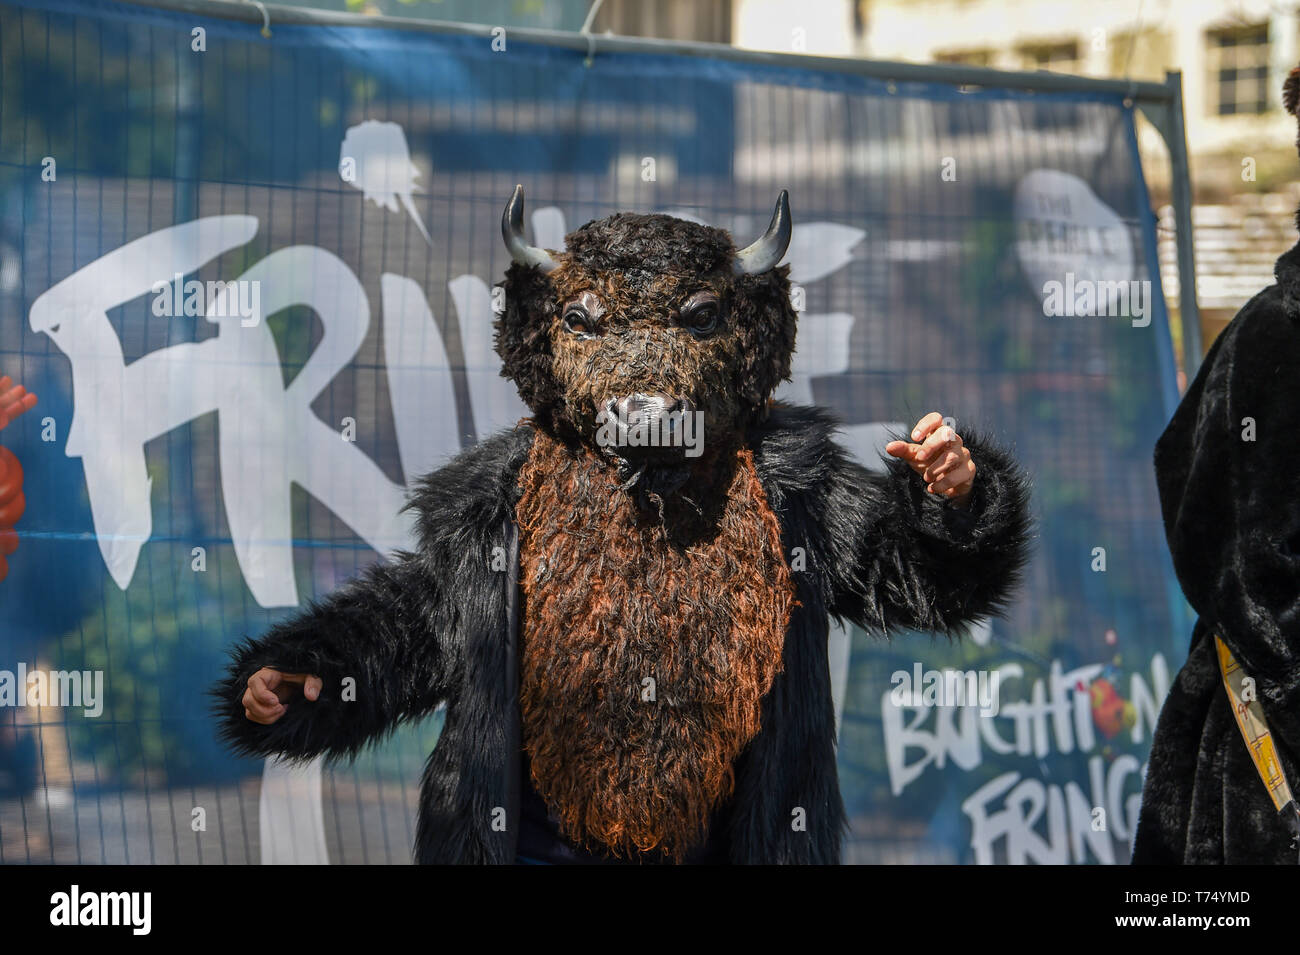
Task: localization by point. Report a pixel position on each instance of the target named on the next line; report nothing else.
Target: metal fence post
(1181, 187)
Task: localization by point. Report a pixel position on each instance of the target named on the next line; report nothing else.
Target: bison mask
(650, 339)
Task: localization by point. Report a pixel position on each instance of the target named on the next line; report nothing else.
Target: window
(1238, 63)
(965, 57)
(1058, 57)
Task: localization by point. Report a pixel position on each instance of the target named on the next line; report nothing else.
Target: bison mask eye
(702, 314)
(582, 316)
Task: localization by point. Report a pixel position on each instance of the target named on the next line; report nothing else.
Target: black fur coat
(442, 625)
(1232, 516)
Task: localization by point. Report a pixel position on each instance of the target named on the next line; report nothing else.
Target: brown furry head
(645, 305)
(698, 604)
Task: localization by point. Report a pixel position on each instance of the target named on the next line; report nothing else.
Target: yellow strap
(1253, 726)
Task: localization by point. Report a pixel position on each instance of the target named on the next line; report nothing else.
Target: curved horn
(768, 250)
(512, 230)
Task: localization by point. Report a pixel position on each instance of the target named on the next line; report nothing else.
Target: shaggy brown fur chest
(648, 645)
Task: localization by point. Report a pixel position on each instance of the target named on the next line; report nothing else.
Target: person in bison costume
(630, 633)
(1224, 468)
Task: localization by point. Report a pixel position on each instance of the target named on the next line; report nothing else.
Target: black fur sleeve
(377, 631)
(886, 553)
(918, 560)
(398, 631)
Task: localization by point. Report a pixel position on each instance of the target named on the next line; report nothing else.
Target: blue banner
(250, 279)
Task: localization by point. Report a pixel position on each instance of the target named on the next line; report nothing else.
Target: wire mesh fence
(180, 494)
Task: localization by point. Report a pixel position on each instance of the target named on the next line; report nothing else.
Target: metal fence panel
(180, 495)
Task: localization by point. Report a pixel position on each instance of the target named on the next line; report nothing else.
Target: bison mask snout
(650, 427)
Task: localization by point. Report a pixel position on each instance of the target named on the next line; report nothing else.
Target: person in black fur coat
(1224, 468)
(630, 632)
